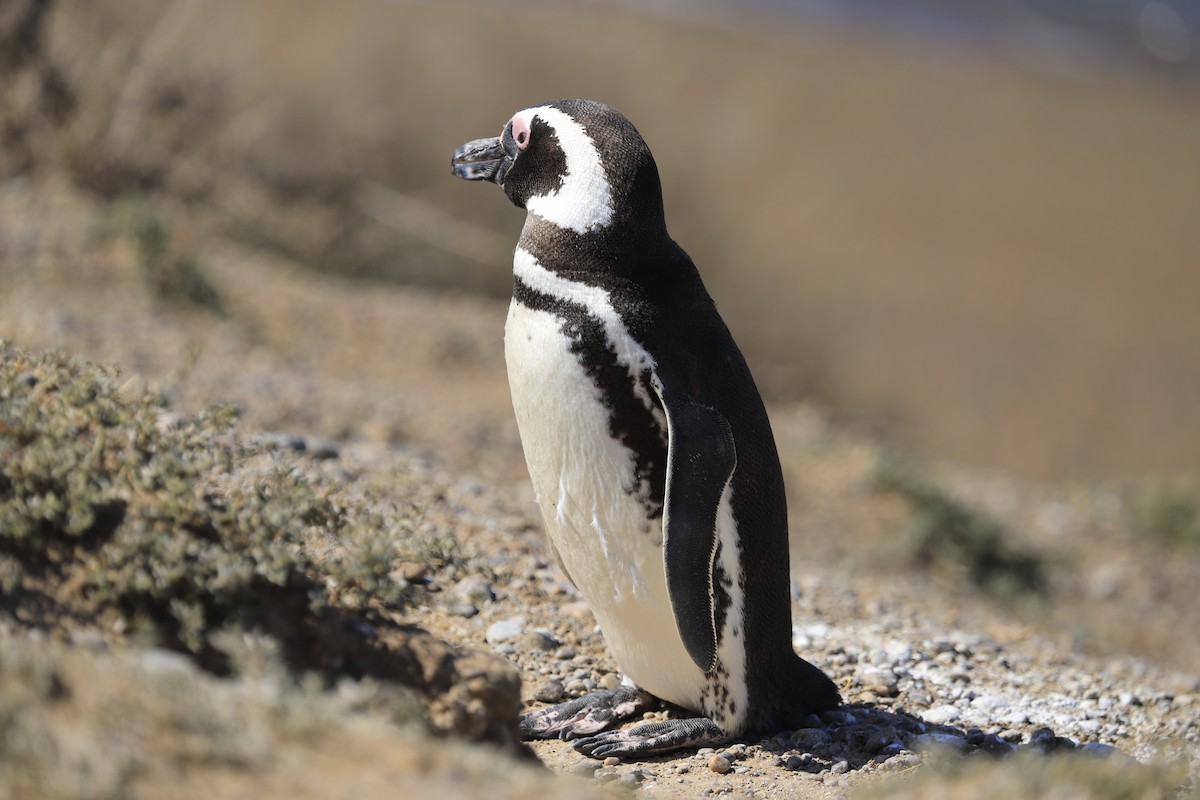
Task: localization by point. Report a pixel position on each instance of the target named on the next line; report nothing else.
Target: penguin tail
(811, 690)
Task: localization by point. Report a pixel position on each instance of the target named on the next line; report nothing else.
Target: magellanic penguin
(647, 442)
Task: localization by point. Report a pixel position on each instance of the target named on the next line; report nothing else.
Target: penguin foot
(587, 715)
(654, 738)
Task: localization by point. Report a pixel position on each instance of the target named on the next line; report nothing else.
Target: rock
(797, 762)
(927, 741)
(840, 767)
(631, 779)
(991, 702)
(584, 768)
(536, 640)
(880, 682)
(902, 761)
(942, 715)
(1098, 750)
(576, 686)
(505, 629)
(610, 680)
(612, 761)
(551, 690)
(465, 598)
(606, 774)
(809, 739)
(719, 764)
(880, 740)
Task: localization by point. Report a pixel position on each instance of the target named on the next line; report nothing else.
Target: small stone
(473, 591)
(996, 746)
(632, 778)
(880, 740)
(902, 761)
(612, 761)
(576, 686)
(565, 653)
(880, 682)
(606, 774)
(840, 768)
(719, 764)
(412, 571)
(505, 629)
(990, 702)
(797, 762)
(942, 715)
(536, 640)
(1098, 750)
(584, 768)
(934, 739)
(550, 691)
(809, 739)
(610, 680)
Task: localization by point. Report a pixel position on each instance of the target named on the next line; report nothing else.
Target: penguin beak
(482, 160)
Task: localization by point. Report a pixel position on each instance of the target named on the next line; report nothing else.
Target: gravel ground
(366, 376)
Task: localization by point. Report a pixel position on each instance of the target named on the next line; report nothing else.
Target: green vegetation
(109, 504)
(173, 277)
(1169, 514)
(948, 535)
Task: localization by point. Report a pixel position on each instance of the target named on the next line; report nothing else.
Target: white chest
(582, 477)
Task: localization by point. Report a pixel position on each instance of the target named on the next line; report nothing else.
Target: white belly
(601, 531)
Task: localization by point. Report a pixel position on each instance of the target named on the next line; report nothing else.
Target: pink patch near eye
(520, 132)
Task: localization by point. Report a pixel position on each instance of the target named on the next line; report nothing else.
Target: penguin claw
(653, 738)
(584, 716)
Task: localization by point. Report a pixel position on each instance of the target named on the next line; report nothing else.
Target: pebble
(576, 686)
(937, 739)
(612, 761)
(466, 597)
(632, 778)
(505, 629)
(606, 774)
(610, 680)
(809, 739)
(797, 762)
(942, 715)
(584, 768)
(550, 691)
(719, 764)
(536, 640)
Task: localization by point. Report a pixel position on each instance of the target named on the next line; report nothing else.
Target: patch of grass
(105, 506)
(1165, 513)
(172, 277)
(948, 535)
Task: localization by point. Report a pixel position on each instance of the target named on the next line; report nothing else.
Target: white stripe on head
(584, 201)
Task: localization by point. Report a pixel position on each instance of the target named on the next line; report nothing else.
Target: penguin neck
(626, 248)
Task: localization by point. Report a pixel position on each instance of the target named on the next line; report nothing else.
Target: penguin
(647, 443)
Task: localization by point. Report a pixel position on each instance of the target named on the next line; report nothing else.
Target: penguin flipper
(700, 461)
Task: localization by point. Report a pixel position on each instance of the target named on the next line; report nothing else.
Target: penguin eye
(520, 132)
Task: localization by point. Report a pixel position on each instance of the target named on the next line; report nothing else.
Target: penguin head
(577, 164)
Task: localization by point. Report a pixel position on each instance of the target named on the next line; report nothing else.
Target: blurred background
(973, 227)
